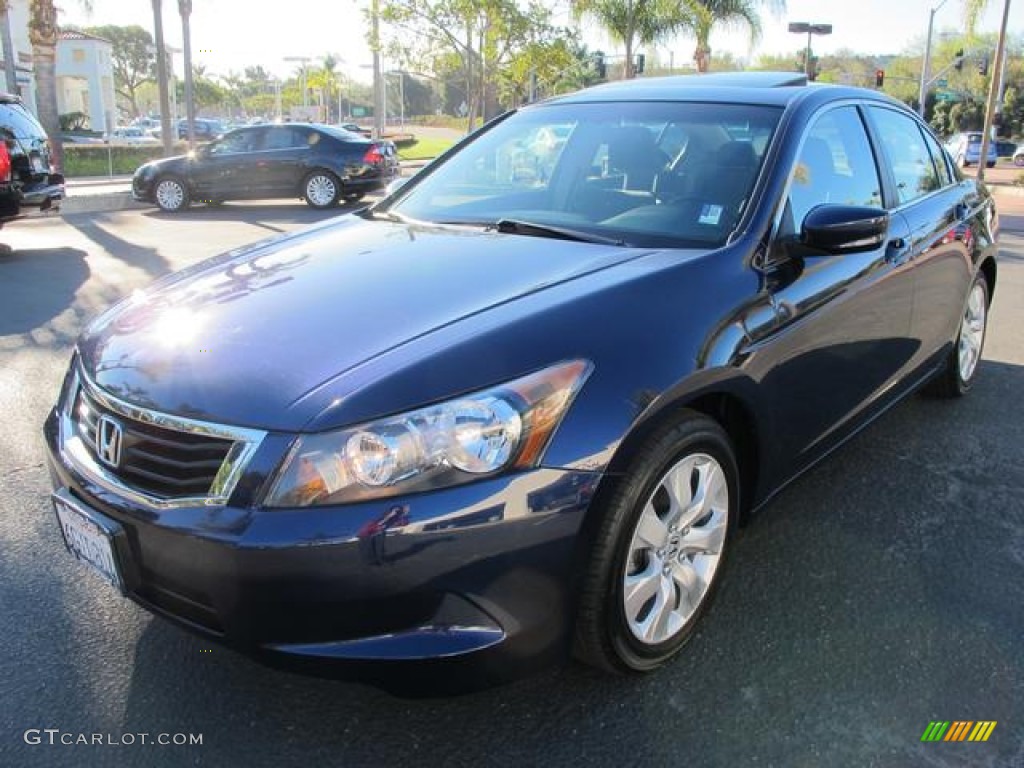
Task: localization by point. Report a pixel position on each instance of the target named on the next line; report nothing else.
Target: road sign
(946, 96)
(942, 82)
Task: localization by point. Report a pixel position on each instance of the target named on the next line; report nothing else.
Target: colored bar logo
(958, 730)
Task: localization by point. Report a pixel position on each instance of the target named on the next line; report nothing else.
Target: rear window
(18, 121)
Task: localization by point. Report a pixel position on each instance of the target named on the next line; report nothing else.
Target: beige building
(85, 79)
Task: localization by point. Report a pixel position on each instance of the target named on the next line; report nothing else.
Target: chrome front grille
(161, 460)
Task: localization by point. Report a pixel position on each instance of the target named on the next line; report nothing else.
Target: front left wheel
(658, 555)
(171, 194)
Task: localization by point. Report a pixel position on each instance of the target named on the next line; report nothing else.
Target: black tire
(353, 197)
(604, 636)
(950, 381)
(321, 189)
(990, 164)
(171, 194)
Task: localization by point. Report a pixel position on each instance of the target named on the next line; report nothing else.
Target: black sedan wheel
(321, 189)
(660, 548)
(961, 369)
(170, 194)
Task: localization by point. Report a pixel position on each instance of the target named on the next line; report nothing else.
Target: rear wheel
(321, 189)
(961, 369)
(170, 194)
(659, 552)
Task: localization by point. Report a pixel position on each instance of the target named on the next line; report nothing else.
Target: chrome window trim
(73, 449)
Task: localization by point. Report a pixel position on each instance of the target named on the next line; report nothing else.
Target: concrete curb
(100, 203)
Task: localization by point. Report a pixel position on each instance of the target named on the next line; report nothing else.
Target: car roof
(765, 88)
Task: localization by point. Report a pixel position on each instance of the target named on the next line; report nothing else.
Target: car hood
(175, 163)
(250, 337)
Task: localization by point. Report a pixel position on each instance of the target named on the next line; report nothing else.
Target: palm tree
(702, 16)
(163, 86)
(42, 29)
(10, 71)
(633, 22)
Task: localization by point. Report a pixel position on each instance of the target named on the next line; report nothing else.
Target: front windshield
(645, 173)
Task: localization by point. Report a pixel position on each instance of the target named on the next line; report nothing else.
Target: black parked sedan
(519, 407)
(315, 162)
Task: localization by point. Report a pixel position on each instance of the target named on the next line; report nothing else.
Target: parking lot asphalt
(880, 592)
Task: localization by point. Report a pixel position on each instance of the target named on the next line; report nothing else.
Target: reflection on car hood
(244, 338)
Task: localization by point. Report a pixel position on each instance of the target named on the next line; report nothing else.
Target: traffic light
(879, 78)
(599, 65)
(983, 66)
(640, 60)
(958, 60)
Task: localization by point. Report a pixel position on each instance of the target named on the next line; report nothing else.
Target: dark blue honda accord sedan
(517, 409)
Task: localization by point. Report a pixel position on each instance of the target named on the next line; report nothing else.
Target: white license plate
(89, 537)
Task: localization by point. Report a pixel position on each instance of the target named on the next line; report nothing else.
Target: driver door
(219, 170)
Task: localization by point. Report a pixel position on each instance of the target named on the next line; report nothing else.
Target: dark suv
(26, 180)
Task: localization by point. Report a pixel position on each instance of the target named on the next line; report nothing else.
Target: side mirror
(838, 229)
(394, 186)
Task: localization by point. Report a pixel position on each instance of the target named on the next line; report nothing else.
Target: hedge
(106, 159)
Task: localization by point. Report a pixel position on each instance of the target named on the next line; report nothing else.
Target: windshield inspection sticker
(710, 214)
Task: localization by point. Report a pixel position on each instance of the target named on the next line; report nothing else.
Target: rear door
(934, 202)
(840, 340)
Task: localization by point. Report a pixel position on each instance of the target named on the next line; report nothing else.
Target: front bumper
(433, 593)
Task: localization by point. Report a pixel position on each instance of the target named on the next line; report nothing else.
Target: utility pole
(993, 92)
(926, 64)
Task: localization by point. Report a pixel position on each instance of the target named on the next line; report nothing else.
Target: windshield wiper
(517, 227)
(370, 213)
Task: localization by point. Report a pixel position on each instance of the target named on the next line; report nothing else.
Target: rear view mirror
(841, 229)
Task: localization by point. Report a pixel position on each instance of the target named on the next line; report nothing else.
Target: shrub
(109, 159)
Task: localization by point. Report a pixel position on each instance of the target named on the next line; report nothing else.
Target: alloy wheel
(321, 190)
(972, 332)
(676, 548)
(170, 195)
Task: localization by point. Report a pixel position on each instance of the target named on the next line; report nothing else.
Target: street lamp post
(802, 27)
(304, 60)
(926, 65)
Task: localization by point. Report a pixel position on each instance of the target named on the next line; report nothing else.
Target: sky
(231, 34)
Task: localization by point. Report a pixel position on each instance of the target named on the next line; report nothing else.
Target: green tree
(702, 17)
(635, 23)
(476, 38)
(132, 58)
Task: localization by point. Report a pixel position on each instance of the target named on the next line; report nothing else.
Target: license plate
(89, 536)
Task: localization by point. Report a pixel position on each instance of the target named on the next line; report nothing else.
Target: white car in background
(133, 134)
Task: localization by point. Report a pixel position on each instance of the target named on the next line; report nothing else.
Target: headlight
(450, 443)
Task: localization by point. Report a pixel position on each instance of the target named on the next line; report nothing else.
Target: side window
(233, 143)
(836, 165)
(907, 154)
(940, 160)
(282, 137)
